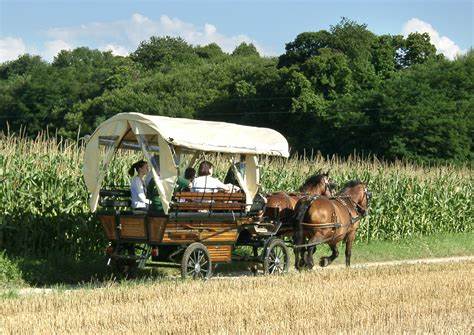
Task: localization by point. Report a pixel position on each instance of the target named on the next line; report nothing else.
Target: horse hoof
(254, 270)
(301, 264)
(324, 262)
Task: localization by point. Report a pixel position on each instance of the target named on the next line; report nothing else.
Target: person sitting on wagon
(137, 186)
(205, 182)
(189, 175)
(182, 184)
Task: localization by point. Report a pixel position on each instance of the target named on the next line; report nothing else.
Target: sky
(46, 27)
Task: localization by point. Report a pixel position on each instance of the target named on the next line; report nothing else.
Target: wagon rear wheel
(277, 257)
(196, 262)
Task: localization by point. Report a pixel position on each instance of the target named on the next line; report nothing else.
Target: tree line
(335, 91)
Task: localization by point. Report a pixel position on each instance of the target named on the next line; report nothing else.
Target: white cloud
(442, 43)
(52, 48)
(129, 33)
(117, 50)
(11, 48)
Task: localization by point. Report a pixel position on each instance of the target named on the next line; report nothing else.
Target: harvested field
(409, 298)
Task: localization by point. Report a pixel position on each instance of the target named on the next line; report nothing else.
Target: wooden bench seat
(212, 201)
(216, 196)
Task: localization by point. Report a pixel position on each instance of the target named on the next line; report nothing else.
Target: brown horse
(329, 220)
(284, 203)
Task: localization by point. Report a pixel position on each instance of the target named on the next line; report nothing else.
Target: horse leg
(325, 261)
(309, 257)
(349, 240)
(300, 256)
(298, 238)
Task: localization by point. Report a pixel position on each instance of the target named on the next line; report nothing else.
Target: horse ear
(319, 171)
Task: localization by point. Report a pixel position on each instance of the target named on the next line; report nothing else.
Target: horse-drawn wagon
(195, 230)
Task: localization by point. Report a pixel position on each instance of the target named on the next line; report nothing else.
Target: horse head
(318, 184)
(359, 194)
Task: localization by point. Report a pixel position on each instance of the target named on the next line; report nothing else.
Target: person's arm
(226, 187)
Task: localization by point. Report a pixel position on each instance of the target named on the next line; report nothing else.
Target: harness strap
(353, 219)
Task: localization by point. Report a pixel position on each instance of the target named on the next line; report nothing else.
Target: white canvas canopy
(173, 134)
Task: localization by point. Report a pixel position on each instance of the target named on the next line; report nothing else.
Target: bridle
(327, 186)
(361, 211)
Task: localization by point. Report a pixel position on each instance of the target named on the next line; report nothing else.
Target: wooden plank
(156, 228)
(206, 232)
(220, 253)
(133, 227)
(217, 196)
(108, 223)
(201, 225)
(216, 206)
(189, 236)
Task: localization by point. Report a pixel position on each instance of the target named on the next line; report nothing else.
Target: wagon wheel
(196, 262)
(277, 258)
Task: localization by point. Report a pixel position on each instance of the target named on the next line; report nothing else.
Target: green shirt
(154, 196)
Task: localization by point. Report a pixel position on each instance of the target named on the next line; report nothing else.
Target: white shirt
(207, 184)
(137, 188)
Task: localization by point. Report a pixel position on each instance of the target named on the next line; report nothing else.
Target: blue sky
(45, 27)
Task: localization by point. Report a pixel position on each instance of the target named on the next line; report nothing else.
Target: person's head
(190, 173)
(205, 169)
(140, 167)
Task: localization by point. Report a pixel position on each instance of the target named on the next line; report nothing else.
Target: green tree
(22, 65)
(329, 73)
(159, 52)
(305, 46)
(385, 53)
(211, 51)
(245, 50)
(416, 49)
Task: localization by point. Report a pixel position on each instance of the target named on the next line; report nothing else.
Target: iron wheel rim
(197, 265)
(277, 260)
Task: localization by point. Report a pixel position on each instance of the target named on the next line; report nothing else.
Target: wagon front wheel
(277, 257)
(196, 262)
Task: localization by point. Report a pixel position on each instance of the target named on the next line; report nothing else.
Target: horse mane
(350, 184)
(312, 181)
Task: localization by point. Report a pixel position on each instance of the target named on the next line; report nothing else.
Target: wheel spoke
(279, 252)
(277, 259)
(201, 255)
(192, 259)
(271, 269)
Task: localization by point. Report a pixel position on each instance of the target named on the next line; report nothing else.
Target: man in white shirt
(205, 182)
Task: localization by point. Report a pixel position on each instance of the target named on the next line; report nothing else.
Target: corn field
(43, 199)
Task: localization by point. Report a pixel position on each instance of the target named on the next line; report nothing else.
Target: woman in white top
(205, 182)
(137, 186)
